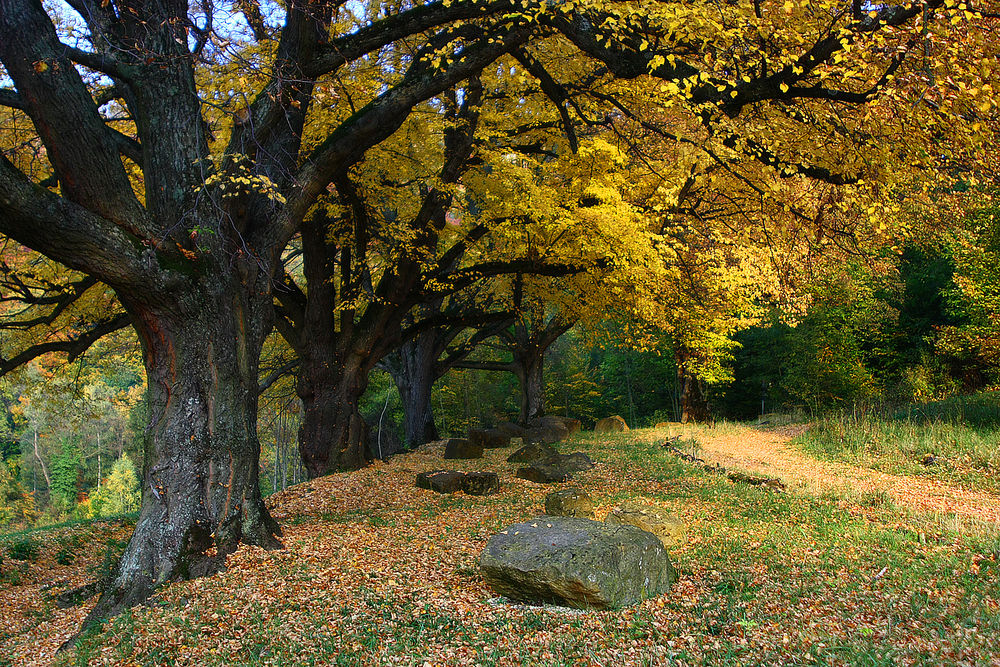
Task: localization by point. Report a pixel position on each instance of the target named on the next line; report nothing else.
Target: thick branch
(74, 347)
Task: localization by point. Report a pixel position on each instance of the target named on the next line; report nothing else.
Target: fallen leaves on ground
(378, 572)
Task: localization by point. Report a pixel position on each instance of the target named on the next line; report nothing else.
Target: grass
(955, 440)
(381, 574)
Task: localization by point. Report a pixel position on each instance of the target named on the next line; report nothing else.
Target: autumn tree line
(238, 235)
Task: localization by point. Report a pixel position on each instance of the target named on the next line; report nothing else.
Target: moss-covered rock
(576, 562)
(656, 520)
(534, 451)
(569, 502)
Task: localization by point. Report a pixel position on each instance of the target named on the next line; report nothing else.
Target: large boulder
(576, 562)
(571, 425)
(574, 426)
(557, 468)
(656, 520)
(453, 481)
(614, 424)
(532, 452)
(489, 439)
(569, 502)
(460, 448)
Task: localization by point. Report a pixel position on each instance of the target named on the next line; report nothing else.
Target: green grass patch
(956, 440)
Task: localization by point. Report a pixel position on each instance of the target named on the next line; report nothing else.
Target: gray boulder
(569, 502)
(547, 429)
(460, 448)
(577, 563)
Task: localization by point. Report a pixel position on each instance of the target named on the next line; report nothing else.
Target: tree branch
(74, 347)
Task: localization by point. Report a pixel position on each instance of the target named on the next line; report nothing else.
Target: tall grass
(955, 440)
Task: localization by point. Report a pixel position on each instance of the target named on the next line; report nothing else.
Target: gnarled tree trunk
(528, 365)
(693, 402)
(200, 478)
(413, 370)
(332, 434)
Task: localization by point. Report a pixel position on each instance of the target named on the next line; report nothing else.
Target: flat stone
(481, 483)
(453, 481)
(441, 481)
(577, 563)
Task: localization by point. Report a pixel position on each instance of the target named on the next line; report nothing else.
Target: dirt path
(768, 452)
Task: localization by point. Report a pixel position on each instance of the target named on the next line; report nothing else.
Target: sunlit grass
(955, 440)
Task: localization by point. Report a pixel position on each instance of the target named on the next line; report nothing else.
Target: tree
(119, 494)
(17, 507)
(185, 212)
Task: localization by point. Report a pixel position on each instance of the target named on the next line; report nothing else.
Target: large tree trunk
(332, 434)
(693, 402)
(414, 373)
(529, 367)
(200, 475)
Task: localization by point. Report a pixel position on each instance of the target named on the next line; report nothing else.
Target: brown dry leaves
(378, 572)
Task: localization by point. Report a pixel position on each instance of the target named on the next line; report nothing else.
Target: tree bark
(200, 477)
(528, 367)
(332, 434)
(693, 402)
(413, 370)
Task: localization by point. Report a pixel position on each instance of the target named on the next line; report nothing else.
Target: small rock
(532, 452)
(569, 502)
(453, 481)
(460, 448)
(576, 562)
(668, 528)
(614, 424)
